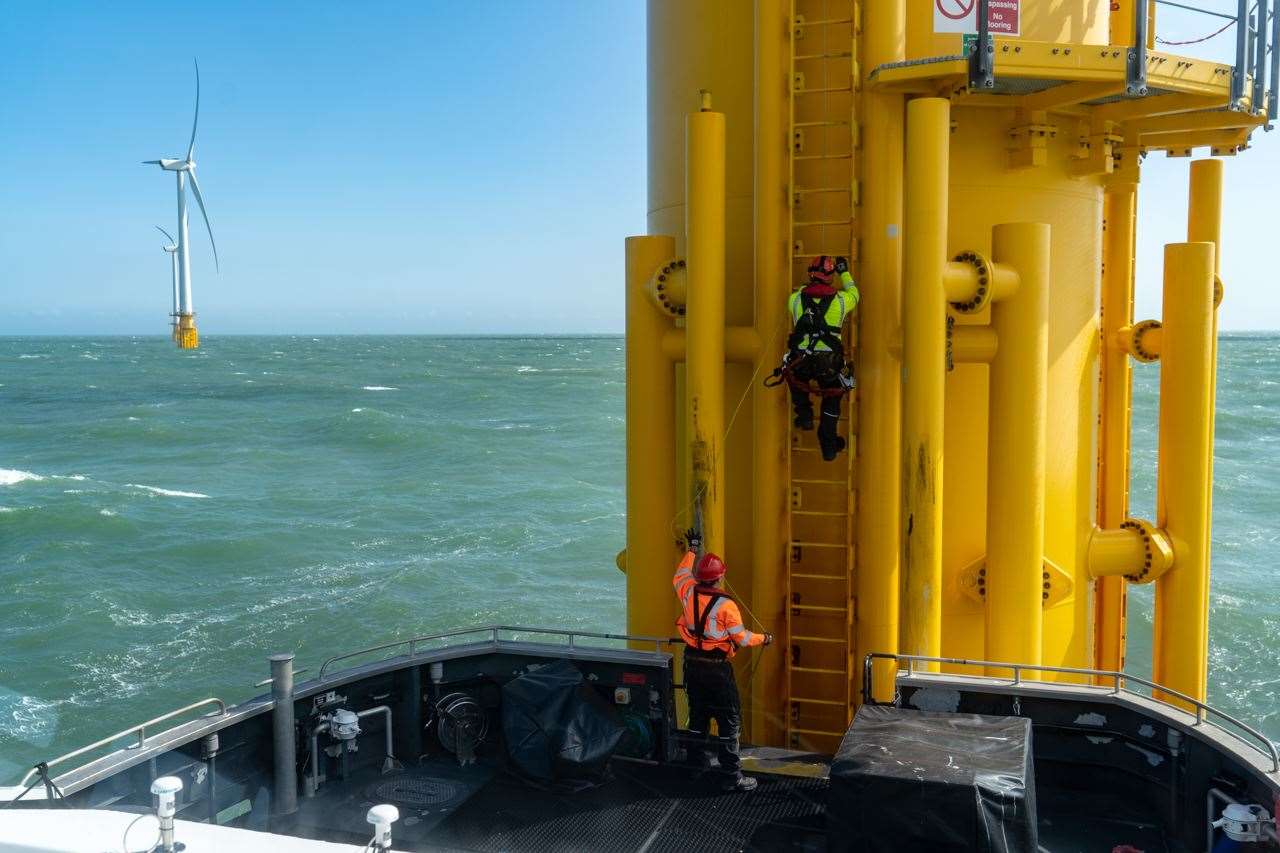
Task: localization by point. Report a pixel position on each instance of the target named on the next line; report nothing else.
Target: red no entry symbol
(955, 9)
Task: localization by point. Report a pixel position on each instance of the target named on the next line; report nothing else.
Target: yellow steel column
(651, 554)
(1113, 471)
(1016, 462)
(879, 372)
(705, 195)
(924, 371)
(772, 255)
(1204, 225)
(1181, 642)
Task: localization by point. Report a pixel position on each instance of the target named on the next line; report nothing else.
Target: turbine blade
(195, 188)
(191, 149)
(151, 162)
(165, 233)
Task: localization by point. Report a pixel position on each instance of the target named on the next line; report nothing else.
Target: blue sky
(386, 167)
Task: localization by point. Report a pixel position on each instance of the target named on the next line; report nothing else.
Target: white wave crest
(172, 493)
(12, 476)
(107, 512)
(378, 388)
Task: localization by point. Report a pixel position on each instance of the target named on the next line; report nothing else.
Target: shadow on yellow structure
(986, 189)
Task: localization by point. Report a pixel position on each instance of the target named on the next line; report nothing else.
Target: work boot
(831, 450)
(804, 421)
(742, 784)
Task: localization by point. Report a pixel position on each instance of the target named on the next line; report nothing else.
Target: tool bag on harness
(804, 366)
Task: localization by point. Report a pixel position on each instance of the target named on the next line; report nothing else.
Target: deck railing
(1204, 713)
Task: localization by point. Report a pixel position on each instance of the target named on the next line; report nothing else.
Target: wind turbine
(172, 249)
(184, 168)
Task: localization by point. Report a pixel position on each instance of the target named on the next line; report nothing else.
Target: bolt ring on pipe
(668, 289)
(1138, 331)
(1143, 529)
(982, 294)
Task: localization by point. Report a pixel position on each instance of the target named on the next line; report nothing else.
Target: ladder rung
(809, 701)
(817, 222)
(822, 90)
(816, 732)
(817, 190)
(811, 576)
(820, 482)
(844, 54)
(818, 512)
(817, 639)
(808, 256)
(821, 670)
(829, 123)
(829, 22)
(821, 608)
(819, 545)
(822, 157)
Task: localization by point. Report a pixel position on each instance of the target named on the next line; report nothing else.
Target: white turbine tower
(172, 249)
(184, 168)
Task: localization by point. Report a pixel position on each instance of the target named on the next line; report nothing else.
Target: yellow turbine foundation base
(185, 332)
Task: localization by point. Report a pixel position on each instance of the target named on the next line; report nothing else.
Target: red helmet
(710, 568)
(822, 268)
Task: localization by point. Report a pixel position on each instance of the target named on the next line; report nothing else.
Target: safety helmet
(710, 568)
(822, 268)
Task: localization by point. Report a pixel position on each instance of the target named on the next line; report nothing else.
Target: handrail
(493, 631)
(1203, 710)
(140, 730)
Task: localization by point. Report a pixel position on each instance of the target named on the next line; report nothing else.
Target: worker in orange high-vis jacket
(711, 626)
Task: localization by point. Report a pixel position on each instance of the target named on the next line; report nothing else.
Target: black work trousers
(713, 694)
(822, 368)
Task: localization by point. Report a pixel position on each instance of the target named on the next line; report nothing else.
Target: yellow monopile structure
(185, 332)
(985, 188)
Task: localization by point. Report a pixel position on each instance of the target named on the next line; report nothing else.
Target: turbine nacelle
(172, 164)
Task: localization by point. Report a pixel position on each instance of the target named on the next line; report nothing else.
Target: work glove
(768, 639)
(693, 539)
(842, 265)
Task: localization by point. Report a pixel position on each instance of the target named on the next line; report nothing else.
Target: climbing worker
(711, 626)
(815, 352)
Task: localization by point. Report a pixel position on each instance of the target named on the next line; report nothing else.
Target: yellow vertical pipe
(1016, 435)
(651, 448)
(705, 244)
(924, 371)
(766, 723)
(1110, 602)
(1204, 225)
(1181, 643)
(879, 372)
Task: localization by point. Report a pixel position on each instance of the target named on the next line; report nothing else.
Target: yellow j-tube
(1113, 472)
(1185, 468)
(651, 448)
(879, 371)
(924, 371)
(705, 242)
(1016, 460)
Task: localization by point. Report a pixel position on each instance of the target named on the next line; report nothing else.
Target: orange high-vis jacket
(715, 611)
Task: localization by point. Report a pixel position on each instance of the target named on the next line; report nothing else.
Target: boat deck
(643, 808)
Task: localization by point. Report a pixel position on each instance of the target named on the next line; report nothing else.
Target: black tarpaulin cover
(558, 730)
(924, 780)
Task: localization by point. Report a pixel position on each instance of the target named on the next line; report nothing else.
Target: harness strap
(700, 619)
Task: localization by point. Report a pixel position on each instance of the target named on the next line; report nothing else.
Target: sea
(169, 518)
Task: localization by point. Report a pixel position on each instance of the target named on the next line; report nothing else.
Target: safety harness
(810, 330)
(699, 628)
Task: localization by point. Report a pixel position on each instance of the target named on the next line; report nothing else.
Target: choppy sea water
(168, 519)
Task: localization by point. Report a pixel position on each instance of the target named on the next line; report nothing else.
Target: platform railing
(139, 731)
(495, 635)
(1204, 713)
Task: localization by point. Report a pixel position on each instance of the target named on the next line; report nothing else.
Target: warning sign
(961, 16)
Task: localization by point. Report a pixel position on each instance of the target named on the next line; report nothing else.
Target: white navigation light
(382, 817)
(1243, 823)
(167, 788)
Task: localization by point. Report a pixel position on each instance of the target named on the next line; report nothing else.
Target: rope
(1225, 27)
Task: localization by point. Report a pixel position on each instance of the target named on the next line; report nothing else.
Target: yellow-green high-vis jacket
(846, 299)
